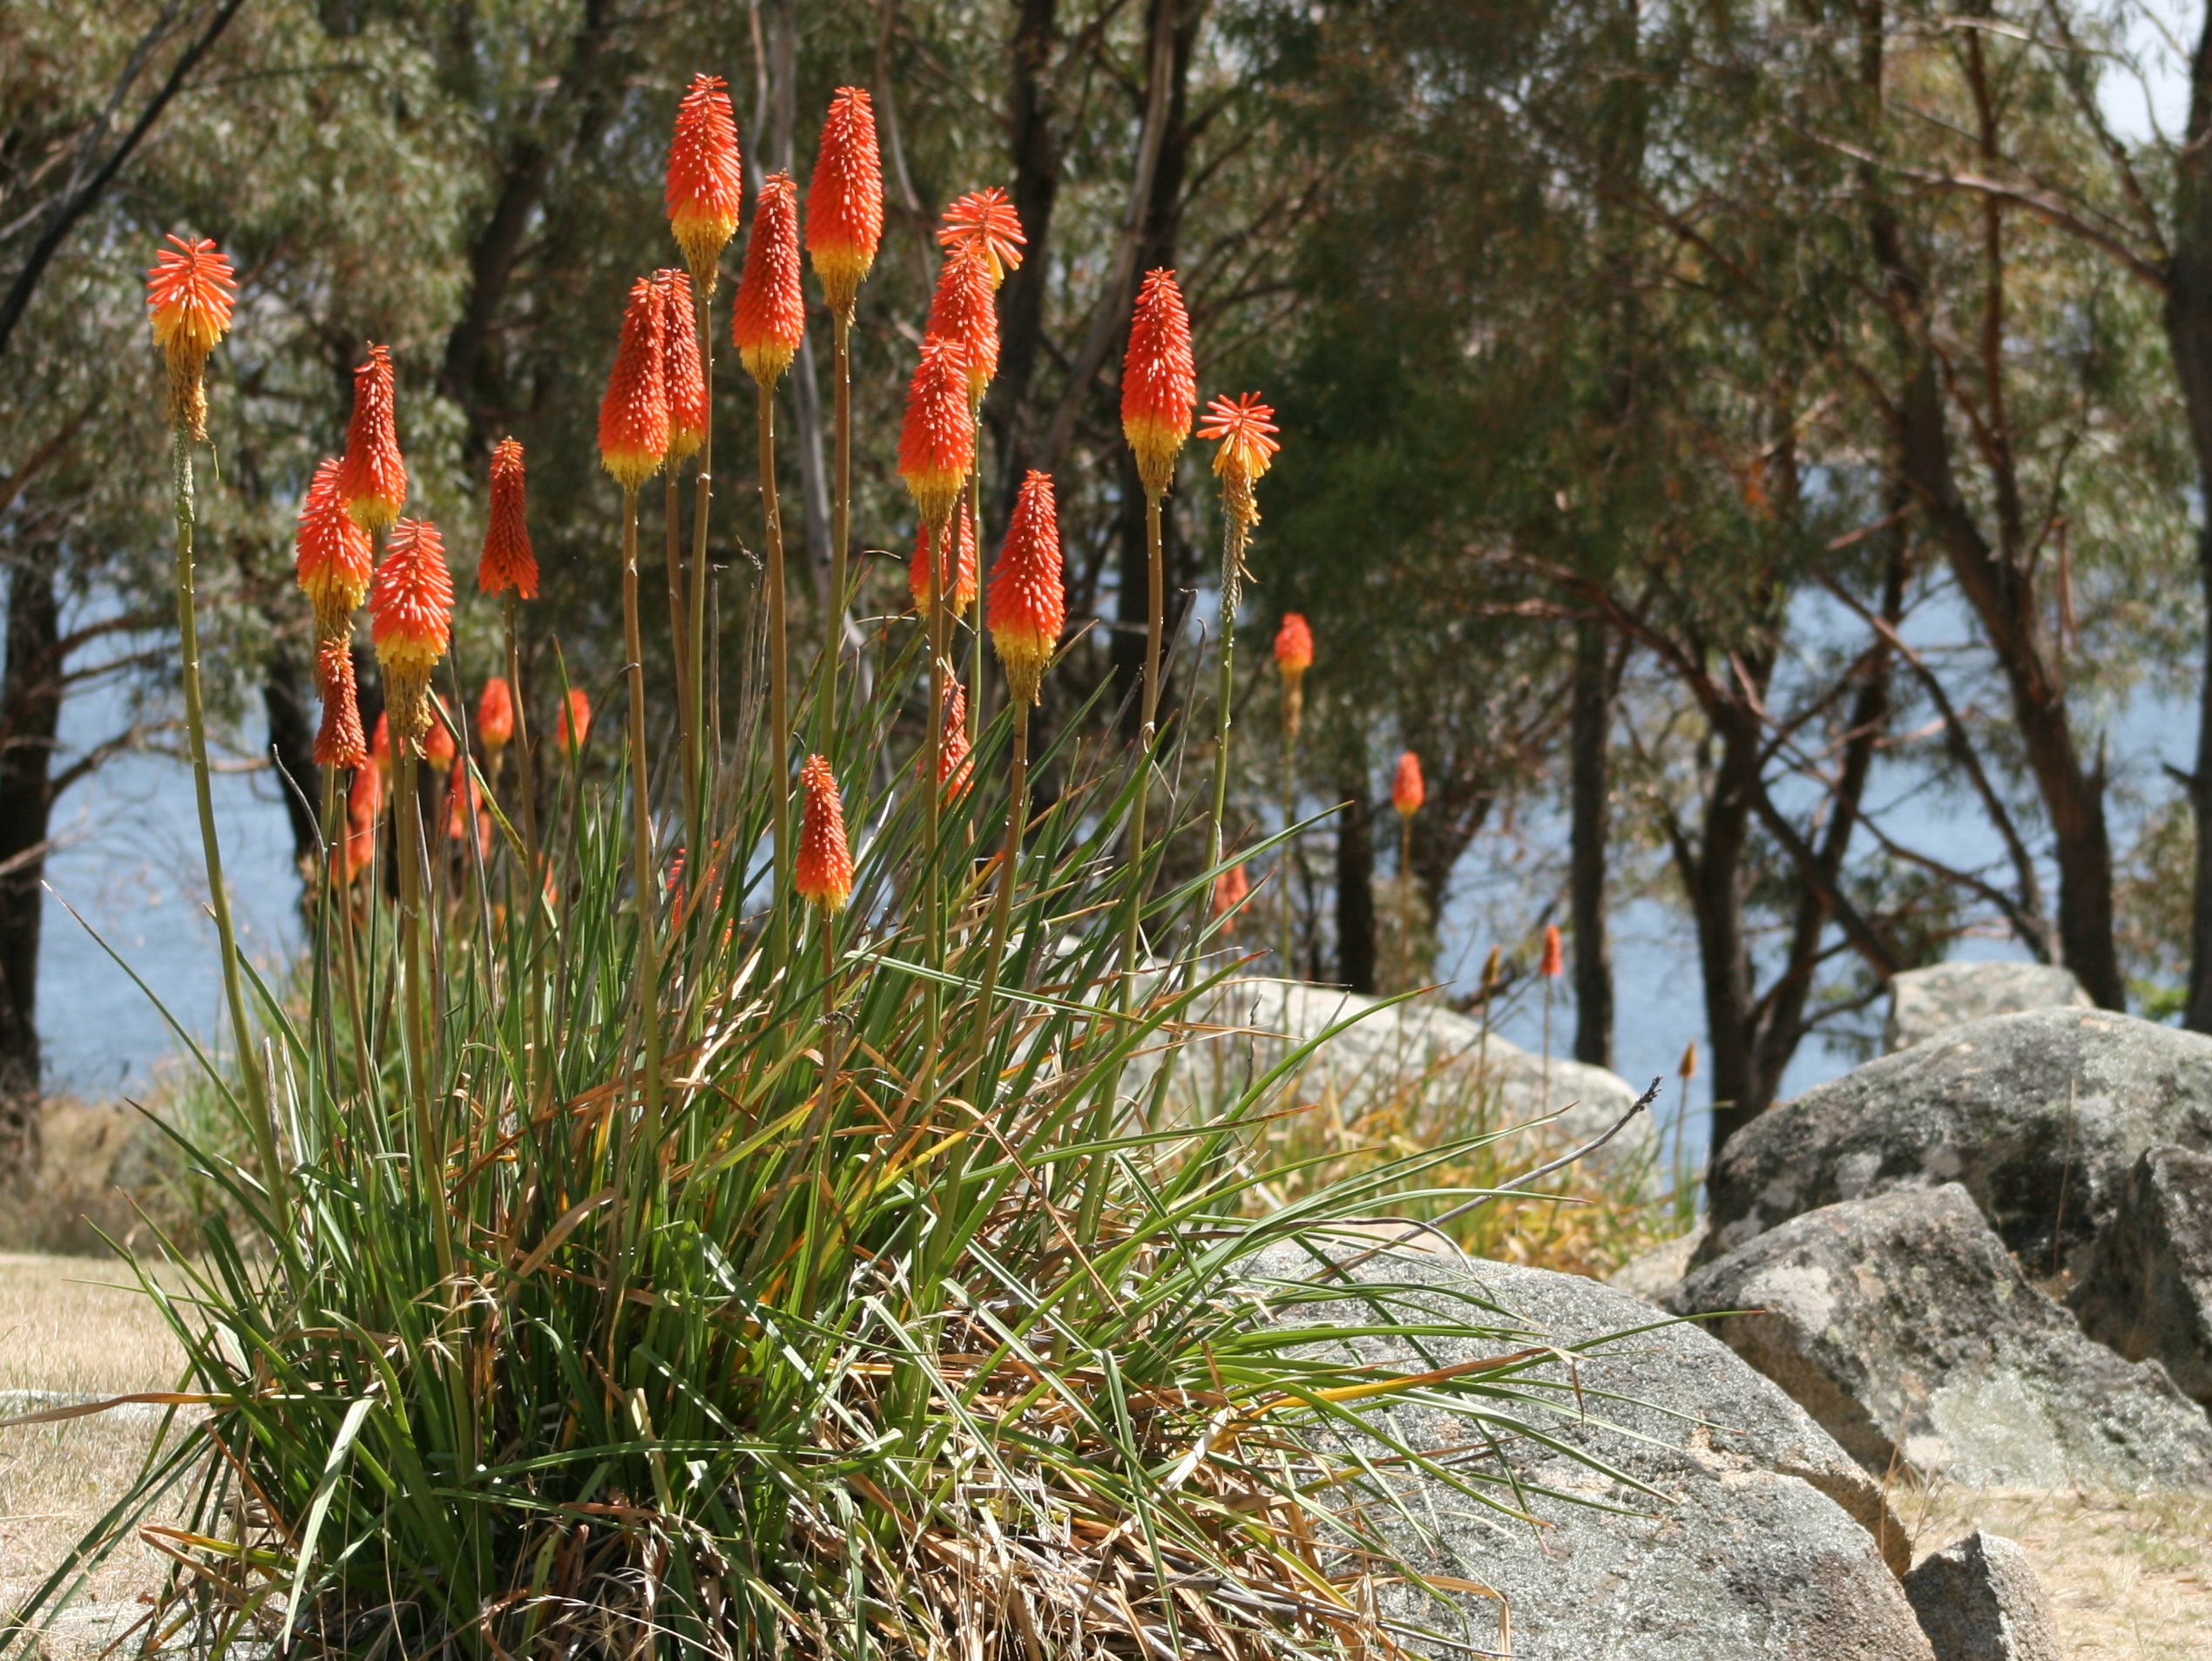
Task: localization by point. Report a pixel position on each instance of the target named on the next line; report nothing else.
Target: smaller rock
(1924, 1002)
(2146, 1288)
(1657, 1275)
(1903, 1326)
(1979, 1600)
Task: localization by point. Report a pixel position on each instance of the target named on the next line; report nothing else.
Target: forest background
(1754, 454)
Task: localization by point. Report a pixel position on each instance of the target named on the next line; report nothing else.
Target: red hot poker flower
(680, 369)
(508, 561)
(770, 316)
(332, 554)
(1554, 953)
(575, 725)
(845, 202)
(372, 482)
(1294, 646)
(1158, 381)
(964, 309)
(956, 756)
(189, 292)
(936, 445)
(437, 740)
(1244, 427)
(1231, 889)
(496, 714)
(1407, 789)
(463, 796)
(633, 416)
(986, 221)
(823, 872)
(1028, 599)
(380, 746)
(706, 179)
(922, 574)
(339, 743)
(410, 608)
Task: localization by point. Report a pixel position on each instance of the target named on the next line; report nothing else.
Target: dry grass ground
(2128, 1580)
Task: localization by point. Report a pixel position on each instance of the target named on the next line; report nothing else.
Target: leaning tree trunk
(1590, 723)
(2189, 336)
(1716, 878)
(31, 702)
(1355, 886)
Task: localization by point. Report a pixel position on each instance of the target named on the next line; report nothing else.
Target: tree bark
(31, 702)
(1356, 887)
(1716, 878)
(2188, 335)
(1590, 723)
(1035, 141)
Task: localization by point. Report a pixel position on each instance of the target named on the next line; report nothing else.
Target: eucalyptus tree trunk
(31, 702)
(2188, 333)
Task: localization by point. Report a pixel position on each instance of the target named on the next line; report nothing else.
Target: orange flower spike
(190, 290)
(680, 369)
(845, 201)
(464, 801)
(507, 560)
(373, 479)
(575, 725)
(411, 609)
(1407, 789)
(437, 739)
(380, 749)
(334, 556)
(1293, 647)
(354, 852)
(965, 308)
(936, 445)
(985, 221)
(922, 574)
(1554, 953)
(956, 759)
(496, 714)
(1231, 889)
(1028, 595)
(823, 872)
(339, 743)
(366, 799)
(770, 316)
(1244, 428)
(633, 416)
(706, 178)
(1158, 381)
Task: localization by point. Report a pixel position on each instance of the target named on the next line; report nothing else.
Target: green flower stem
(1156, 564)
(840, 530)
(1235, 534)
(779, 690)
(1289, 809)
(261, 1119)
(645, 878)
(678, 638)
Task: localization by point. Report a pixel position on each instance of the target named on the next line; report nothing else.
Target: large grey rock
(1980, 1600)
(1436, 1058)
(1656, 1275)
(1756, 1543)
(1903, 1326)
(2146, 1288)
(2039, 1116)
(1924, 1002)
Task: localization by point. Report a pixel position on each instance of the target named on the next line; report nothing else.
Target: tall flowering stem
(1159, 391)
(1243, 427)
(507, 569)
(189, 296)
(688, 420)
(844, 229)
(633, 442)
(965, 308)
(1293, 656)
(769, 322)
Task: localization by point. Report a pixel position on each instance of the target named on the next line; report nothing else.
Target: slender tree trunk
(30, 702)
(1716, 879)
(2188, 335)
(1590, 721)
(1356, 887)
(1035, 142)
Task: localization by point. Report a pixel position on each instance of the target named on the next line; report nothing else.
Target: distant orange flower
(437, 738)
(334, 556)
(1244, 426)
(373, 479)
(986, 221)
(1407, 789)
(1028, 599)
(365, 800)
(770, 316)
(936, 445)
(921, 574)
(1159, 381)
(496, 714)
(1554, 963)
(684, 374)
(964, 309)
(189, 292)
(508, 561)
(706, 178)
(956, 756)
(411, 609)
(575, 723)
(633, 416)
(464, 801)
(380, 745)
(845, 201)
(823, 872)
(1231, 889)
(355, 852)
(1294, 646)
(339, 743)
